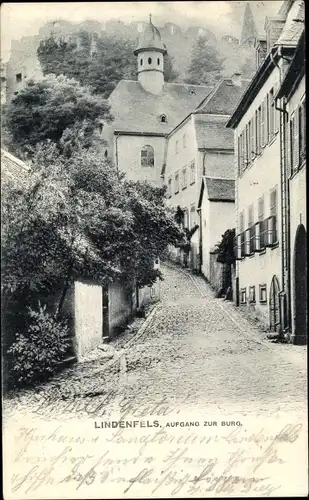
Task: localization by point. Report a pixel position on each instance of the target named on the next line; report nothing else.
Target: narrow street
(196, 351)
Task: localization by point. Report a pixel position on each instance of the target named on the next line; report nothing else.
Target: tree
(206, 65)
(76, 218)
(44, 110)
(225, 248)
(96, 61)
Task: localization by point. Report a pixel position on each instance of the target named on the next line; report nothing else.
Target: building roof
(217, 189)
(138, 111)
(257, 83)
(294, 24)
(220, 189)
(12, 168)
(223, 98)
(150, 39)
(212, 134)
(249, 29)
(295, 71)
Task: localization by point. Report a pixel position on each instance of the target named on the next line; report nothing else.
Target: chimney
(261, 51)
(273, 28)
(236, 79)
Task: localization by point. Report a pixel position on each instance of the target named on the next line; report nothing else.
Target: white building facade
(261, 202)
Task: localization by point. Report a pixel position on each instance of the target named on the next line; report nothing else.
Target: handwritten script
(78, 460)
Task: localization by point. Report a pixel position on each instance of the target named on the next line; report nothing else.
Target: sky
(25, 19)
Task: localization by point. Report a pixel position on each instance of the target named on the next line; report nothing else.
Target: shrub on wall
(36, 354)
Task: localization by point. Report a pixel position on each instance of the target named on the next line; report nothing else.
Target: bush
(35, 356)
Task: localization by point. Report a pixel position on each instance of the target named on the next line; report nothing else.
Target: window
(184, 178)
(158, 62)
(251, 294)
(291, 145)
(149, 60)
(163, 118)
(192, 216)
(176, 183)
(176, 147)
(272, 114)
(141, 62)
(106, 153)
(192, 172)
(263, 293)
(241, 236)
(260, 226)
(267, 119)
(246, 153)
(271, 233)
(18, 77)
(169, 187)
(302, 132)
(273, 202)
(258, 130)
(263, 125)
(184, 140)
(250, 232)
(249, 141)
(243, 296)
(147, 156)
(252, 139)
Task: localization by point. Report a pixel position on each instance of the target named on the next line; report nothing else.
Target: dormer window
(163, 118)
(192, 92)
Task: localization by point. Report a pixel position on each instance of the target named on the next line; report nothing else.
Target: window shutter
(276, 112)
(247, 242)
(296, 140)
(238, 254)
(263, 123)
(288, 148)
(239, 155)
(253, 146)
(257, 240)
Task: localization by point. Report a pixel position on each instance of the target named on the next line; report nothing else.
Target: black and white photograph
(154, 250)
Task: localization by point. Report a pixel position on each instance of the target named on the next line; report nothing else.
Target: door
(274, 305)
(300, 285)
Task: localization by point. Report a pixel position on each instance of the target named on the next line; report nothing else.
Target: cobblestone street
(196, 350)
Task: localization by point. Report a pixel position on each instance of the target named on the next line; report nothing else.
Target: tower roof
(248, 28)
(150, 39)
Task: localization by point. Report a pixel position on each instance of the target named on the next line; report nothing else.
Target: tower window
(158, 61)
(147, 156)
(141, 63)
(18, 77)
(149, 60)
(163, 118)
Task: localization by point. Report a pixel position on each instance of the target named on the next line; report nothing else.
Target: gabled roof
(295, 71)
(212, 134)
(223, 98)
(13, 168)
(217, 190)
(294, 24)
(136, 110)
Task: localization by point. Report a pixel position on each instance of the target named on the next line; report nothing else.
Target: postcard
(154, 268)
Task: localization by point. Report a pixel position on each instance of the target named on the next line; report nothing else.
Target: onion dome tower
(150, 59)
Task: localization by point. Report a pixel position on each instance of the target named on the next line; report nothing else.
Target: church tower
(150, 62)
(249, 31)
